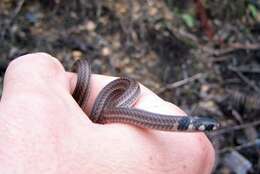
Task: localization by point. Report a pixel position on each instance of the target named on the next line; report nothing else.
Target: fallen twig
(244, 69)
(233, 47)
(229, 49)
(248, 82)
(239, 147)
(235, 128)
(181, 82)
(12, 18)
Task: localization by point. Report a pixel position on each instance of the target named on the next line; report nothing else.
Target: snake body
(114, 105)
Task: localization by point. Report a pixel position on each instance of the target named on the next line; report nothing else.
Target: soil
(203, 56)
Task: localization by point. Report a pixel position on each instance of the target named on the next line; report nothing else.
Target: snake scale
(114, 104)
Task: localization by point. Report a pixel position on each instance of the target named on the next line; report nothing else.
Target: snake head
(197, 123)
(205, 124)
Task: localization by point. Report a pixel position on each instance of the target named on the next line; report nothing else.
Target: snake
(115, 104)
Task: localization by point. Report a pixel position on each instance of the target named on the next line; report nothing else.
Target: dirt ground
(203, 56)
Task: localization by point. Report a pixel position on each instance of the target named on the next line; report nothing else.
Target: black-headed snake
(114, 104)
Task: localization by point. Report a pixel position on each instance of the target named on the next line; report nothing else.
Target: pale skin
(43, 130)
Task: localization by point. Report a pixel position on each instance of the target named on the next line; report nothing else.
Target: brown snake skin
(114, 105)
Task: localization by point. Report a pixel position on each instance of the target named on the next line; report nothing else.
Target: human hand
(43, 130)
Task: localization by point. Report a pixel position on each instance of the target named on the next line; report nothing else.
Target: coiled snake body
(114, 104)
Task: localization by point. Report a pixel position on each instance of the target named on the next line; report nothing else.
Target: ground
(204, 56)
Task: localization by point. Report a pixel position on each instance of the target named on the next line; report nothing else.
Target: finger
(147, 99)
(196, 150)
(33, 71)
(37, 81)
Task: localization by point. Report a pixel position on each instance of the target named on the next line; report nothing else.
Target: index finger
(148, 100)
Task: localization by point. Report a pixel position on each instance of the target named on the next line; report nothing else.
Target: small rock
(106, 51)
(129, 70)
(90, 26)
(115, 61)
(76, 54)
(126, 61)
(251, 133)
(209, 106)
(237, 163)
(14, 51)
(31, 17)
(225, 170)
(204, 89)
(121, 8)
(116, 44)
(152, 11)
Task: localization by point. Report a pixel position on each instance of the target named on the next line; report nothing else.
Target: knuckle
(34, 62)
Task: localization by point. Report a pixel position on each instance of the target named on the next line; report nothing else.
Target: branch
(235, 128)
(181, 82)
(240, 147)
